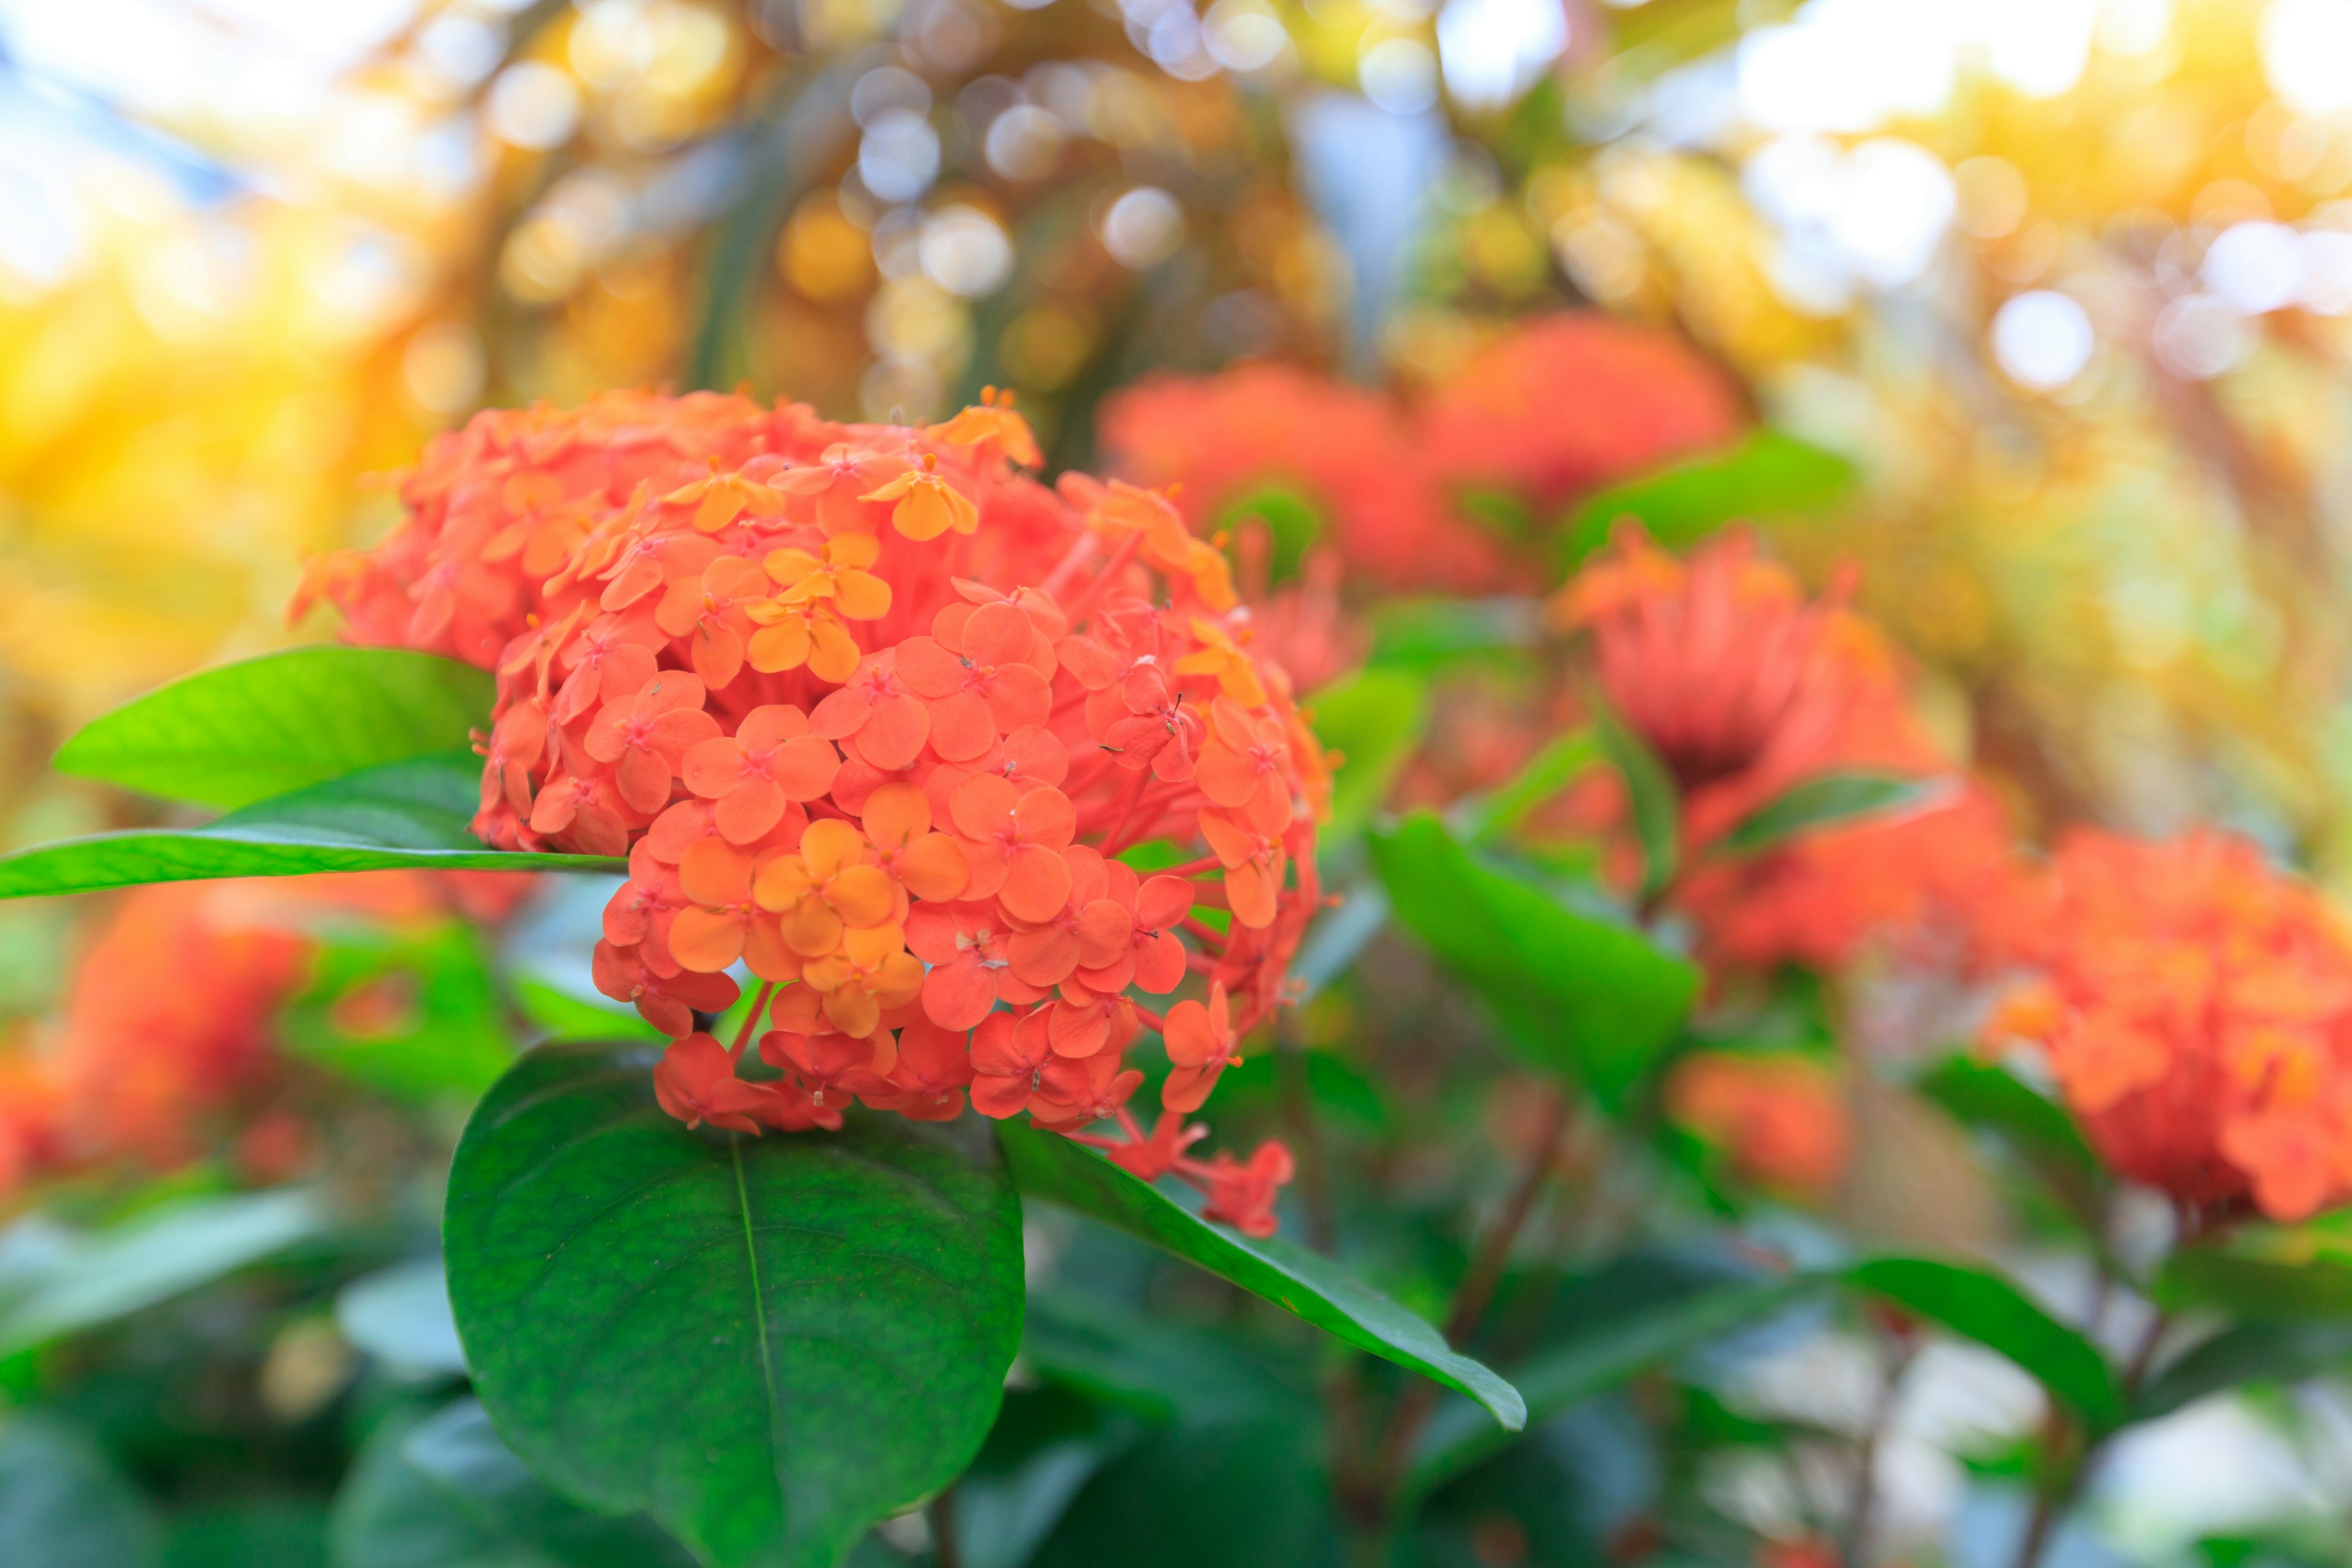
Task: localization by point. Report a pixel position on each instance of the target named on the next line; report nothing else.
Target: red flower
(1781, 1120)
(1009, 1058)
(984, 672)
(1014, 842)
(1243, 1195)
(695, 1082)
(666, 1002)
(968, 947)
(648, 736)
(1200, 1044)
(771, 761)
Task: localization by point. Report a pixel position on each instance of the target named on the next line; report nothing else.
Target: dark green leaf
(84, 1281)
(1577, 995)
(2257, 1287)
(1549, 771)
(1373, 719)
(1767, 475)
(62, 1505)
(1987, 1308)
(1049, 1166)
(2265, 1352)
(1574, 1370)
(1657, 808)
(246, 732)
(413, 813)
(1233, 1493)
(1825, 800)
(1158, 1370)
(264, 1532)
(1991, 1099)
(1046, 1444)
(767, 1343)
(409, 1011)
(445, 1492)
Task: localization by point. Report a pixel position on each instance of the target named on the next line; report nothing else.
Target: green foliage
(243, 732)
(1051, 1167)
(1984, 1307)
(1579, 996)
(767, 1343)
(1374, 718)
(401, 1316)
(81, 1281)
(1767, 475)
(1424, 634)
(1293, 523)
(436, 1030)
(2247, 1282)
(1656, 805)
(445, 1492)
(62, 1505)
(1596, 1357)
(1158, 1370)
(1045, 1445)
(413, 813)
(1234, 1491)
(1991, 1099)
(1551, 770)
(1827, 800)
(2263, 1350)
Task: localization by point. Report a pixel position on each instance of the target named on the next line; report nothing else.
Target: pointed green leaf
(1549, 771)
(1769, 474)
(445, 1492)
(1658, 807)
(412, 813)
(1580, 995)
(242, 732)
(767, 1343)
(1158, 1370)
(2266, 1352)
(1990, 1098)
(1568, 1373)
(1047, 1165)
(2255, 1286)
(1826, 800)
(1986, 1308)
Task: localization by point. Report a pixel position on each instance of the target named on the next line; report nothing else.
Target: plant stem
(946, 1553)
(1856, 1543)
(2053, 1497)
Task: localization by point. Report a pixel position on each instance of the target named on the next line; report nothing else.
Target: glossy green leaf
(1826, 800)
(767, 1343)
(1992, 1100)
(445, 1492)
(1656, 805)
(1373, 719)
(1580, 995)
(265, 1531)
(2257, 1286)
(1767, 475)
(1049, 1166)
(1574, 1370)
(86, 1280)
(1986, 1308)
(1550, 770)
(412, 1012)
(2257, 1352)
(1231, 1493)
(63, 1504)
(411, 813)
(243, 732)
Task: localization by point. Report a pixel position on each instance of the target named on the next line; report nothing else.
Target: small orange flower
(993, 422)
(1782, 1121)
(1200, 1043)
(695, 1082)
(926, 504)
(722, 497)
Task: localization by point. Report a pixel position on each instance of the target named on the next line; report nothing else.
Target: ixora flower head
(1740, 682)
(950, 757)
(2196, 1006)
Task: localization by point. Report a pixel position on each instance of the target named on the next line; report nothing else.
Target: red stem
(758, 1006)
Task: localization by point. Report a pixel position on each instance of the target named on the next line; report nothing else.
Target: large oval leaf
(413, 813)
(1051, 1167)
(246, 732)
(767, 1344)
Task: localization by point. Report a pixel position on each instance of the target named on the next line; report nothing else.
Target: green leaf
(1579, 996)
(1567, 1373)
(1374, 718)
(1826, 800)
(2265, 1352)
(1158, 1370)
(1769, 474)
(1292, 524)
(62, 1503)
(246, 732)
(565, 1017)
(86, 1280)
(1426, 634)
(412, 813)
(409, 1012)
(263, 1531)
(767, 1343)
(2256, 1287)
(1549, 771)
(1236, 1492)
(445, 1492)
(1986, 1308)
(1047, 1165)
(1991, 1099)
(1045, 1445)
(1656, 805)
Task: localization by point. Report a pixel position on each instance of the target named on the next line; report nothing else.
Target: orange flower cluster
(135, 1069)
(878, 715)
(2196, 1009)
(1780, 1121)
(1556, 407)
(1739, 683)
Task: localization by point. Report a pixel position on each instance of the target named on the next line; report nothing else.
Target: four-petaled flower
(926, 504)
(648, 735)
(985, 671)
(769, 763)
